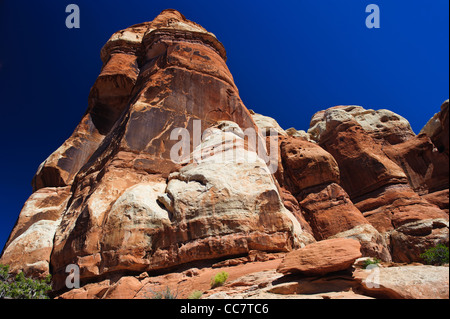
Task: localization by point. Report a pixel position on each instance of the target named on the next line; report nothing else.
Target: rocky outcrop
(312, 176)
(432, 183)
(385, 169)
(306, 165)
(437, 129)
(382, 125)
(133, 207)
(30, 243)
(125, 205)
(266, 123)
(168, 169)
(260, 280)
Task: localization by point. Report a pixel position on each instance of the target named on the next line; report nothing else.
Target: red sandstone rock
(306, 165)
(322, 257)
(427, 169)
(331, 214)
(112, 201)
(329, 211)
(363, 165)
(30, 243)
(438, 129)
(439, 198)
(396, 205)
(291, 203)
(408, 282)
(379, 169)
(410, 224)
(126, 212)
(311, 173)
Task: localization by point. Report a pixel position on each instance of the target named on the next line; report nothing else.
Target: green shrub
(167, 294)
(436, 256)
(219, 279)
(20, 287)
(372, 261)
(196, 295)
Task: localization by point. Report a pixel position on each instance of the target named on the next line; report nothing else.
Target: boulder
(322, 257)
(405, 282)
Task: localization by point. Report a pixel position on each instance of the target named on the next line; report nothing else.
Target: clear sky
(289, 60)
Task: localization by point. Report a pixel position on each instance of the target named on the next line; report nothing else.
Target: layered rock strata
(168, 167)
(389, 173)
(113, 200)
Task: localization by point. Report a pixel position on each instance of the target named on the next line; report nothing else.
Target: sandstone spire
(111, 200)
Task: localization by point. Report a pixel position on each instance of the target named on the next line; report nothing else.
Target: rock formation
(321, 258)
(124, 198)
(389, 173)
(118, 201)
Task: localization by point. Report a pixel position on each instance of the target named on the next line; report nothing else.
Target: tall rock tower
(111, 200)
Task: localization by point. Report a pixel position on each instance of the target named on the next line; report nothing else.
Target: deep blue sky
(289, 60)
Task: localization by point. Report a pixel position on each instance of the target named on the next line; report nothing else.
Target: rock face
(437, 129)
(112, 199)
(168, 168)
(31, 242)
(311, 176)
(389, 173)
(408, 282)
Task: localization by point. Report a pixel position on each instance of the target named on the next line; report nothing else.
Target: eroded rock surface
(164, 172)
(123, 203)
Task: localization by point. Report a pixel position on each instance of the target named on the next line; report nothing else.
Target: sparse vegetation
(167, 294)
(219, 279)
(195, 295)
(21, 287)
(438, 255)
(371, 261)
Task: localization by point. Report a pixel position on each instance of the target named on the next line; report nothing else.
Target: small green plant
(195, 295)
(371, 261)
(219, 279)
(167, 294)
(436, 256)
(20, 287)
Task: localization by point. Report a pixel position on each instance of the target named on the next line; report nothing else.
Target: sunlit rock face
(167, 167)
(398, 180)
(112, 199)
